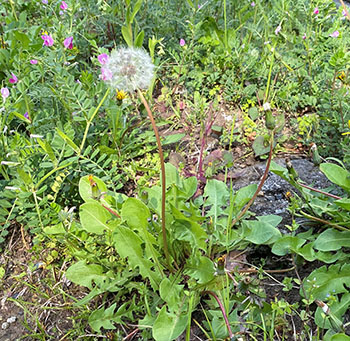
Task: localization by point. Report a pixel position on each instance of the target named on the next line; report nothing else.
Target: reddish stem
(222, 310)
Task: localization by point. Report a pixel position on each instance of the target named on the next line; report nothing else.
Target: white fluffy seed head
(128, 69)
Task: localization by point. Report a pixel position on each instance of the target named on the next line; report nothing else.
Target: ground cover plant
(124, 125)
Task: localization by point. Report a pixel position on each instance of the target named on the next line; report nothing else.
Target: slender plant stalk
(319, 191)
(222, 310)
(162, 169)
(341, 228)
(88, 123)
(241, 214)
(225, 20)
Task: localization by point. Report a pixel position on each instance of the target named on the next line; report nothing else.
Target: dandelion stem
(162, 169)
(222, 310)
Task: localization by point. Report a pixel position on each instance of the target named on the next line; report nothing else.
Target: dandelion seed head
(128, 69)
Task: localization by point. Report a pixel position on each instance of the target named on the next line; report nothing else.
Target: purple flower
(335, 34)
(106, 74)
(33, 61)
(199, 6)
(278, 29)
(5, 93)
(48, 41)
(304, 36)
(45, 2)
(182, 42)
(252, 4)
(68, 43)
(103, 58)
(13, 79)
(26, 115)
(63, 5)
(316, 11)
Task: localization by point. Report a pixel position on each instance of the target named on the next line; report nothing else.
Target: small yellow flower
(342, 76)
(121, 95)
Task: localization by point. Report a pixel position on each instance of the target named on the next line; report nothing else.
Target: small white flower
(11, 188)
(34, 136)
(266, 106)
(128, 69)
(10, 163)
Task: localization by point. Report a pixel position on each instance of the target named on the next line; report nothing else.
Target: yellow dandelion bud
(121, 95)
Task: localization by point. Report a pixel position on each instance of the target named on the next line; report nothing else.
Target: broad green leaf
(279, 170)
(139, 40)
(102, 318)
(172, 176)
(55, 229)
(23, 38)
(129, 245)
(127, 35)
(173, 138)
(94, 217)
(336, 174)
(168, 326)
(85, 190)
(186, 229)
(190, 186)
(242, 196)
(340, 337)
(260, 146)
(287, 244)
(217, 195)
(136, 213)
(171, 293)
(84, 274)
(263, 230)
(344, 203)
(324, 281)
(332, 240)
(201, 268)
(136, 8)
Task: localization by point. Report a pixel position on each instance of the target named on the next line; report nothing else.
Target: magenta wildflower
(182, 42)
(63, 5)
(316, 11)
(5, 93)
(26, 115)
(48, 40)
(106, 74)
(335, 34)
(103, 58)
(68, 43)
(13, 79)
(278, 29)
(304, 36)
(252, 4)
(33, 61)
